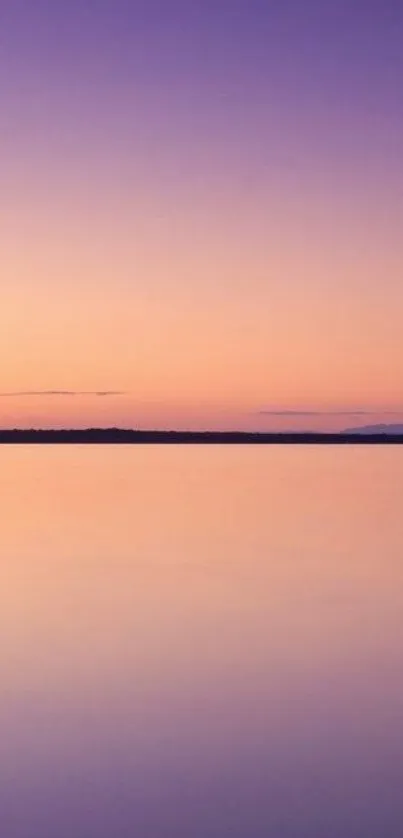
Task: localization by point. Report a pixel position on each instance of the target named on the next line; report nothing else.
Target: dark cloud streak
(299, 413)
(98, 393)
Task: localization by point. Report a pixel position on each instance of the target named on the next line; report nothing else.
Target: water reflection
(201, 642)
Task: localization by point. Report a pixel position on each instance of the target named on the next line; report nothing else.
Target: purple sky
(227, 172)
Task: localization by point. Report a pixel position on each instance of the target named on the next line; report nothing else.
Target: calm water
(201, 642)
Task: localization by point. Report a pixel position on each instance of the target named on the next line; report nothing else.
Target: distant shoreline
(119, 436)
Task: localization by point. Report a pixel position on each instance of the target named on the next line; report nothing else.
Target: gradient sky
(201, 211)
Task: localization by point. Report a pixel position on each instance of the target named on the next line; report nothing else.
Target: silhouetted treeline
(114, 436)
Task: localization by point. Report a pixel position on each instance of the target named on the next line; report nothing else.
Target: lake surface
(201, 642)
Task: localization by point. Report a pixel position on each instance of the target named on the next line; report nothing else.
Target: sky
(201, 213)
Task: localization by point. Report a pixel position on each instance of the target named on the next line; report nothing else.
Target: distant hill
(375, 429)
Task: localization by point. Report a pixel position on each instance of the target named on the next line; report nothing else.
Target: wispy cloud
(99, 393)
(291, 413)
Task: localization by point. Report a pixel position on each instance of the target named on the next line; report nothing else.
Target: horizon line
(238, 431)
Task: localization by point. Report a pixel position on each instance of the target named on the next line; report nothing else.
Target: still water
(200, 642)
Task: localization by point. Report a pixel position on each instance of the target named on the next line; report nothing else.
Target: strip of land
(121, 436)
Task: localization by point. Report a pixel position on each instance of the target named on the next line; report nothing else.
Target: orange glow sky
(210, 241)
